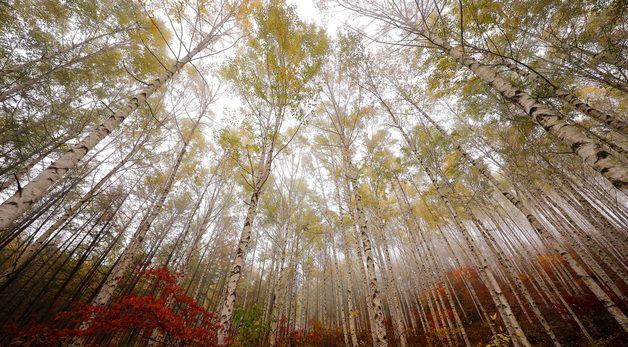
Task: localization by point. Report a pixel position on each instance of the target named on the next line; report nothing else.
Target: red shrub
(175, 317)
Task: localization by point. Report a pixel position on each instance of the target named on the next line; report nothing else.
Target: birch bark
(23, 200)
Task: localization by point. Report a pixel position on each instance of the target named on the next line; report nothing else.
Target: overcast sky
(331, 20)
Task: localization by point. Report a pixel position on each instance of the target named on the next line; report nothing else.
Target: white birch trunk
(226, 312)
(612, 121)
(24, 199)
(378, 311)
(392, 291)
(589, 149)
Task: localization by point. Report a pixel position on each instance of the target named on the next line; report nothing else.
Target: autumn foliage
(164, 313)
(317, 335)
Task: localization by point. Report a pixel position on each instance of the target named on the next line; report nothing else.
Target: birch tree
(23, 199)
(274, 75)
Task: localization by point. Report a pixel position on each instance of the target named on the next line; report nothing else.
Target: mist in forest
(313, 173)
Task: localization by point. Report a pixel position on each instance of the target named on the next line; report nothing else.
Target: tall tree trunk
(21, 201)
(353, 312)
(378, 310)
(339, 296)
(395, 303)
(610, 120)
(589, 149)
(227, 309)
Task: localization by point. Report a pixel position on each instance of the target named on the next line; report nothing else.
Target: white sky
(330, 19)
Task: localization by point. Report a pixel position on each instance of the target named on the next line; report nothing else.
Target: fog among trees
(313, 173)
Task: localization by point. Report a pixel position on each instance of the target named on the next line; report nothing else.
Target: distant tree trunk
(542, 231)
(338, 294)
(401, 196)
(431, 254)
(506, 264)
(581, 273)
(394, 303)
(137, 240)
(194, 246)
(567, 225)
(277, 292)
(349, 280)
(130, 253)
(502, 304)
(591, 214)
(589, 240)
(31, 250)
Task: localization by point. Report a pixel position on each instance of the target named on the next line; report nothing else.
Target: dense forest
(313, 173)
